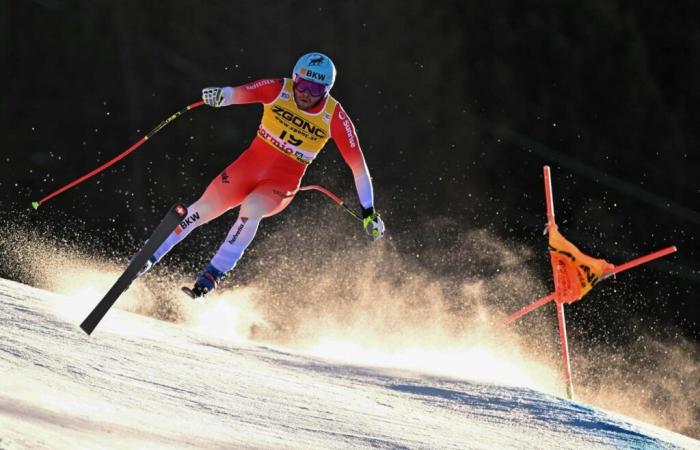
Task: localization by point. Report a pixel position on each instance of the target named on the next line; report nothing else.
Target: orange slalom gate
(574, 274)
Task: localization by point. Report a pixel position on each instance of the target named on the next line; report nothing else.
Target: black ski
(189, 292)
(176, 214)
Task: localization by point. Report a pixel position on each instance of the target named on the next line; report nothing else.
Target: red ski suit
(265, 177)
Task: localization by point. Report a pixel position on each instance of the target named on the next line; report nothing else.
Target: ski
(189, 292)
(167, 225)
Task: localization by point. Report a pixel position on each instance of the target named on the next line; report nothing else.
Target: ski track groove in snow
(160, 385)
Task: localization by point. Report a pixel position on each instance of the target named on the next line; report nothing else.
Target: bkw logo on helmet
(313, 75)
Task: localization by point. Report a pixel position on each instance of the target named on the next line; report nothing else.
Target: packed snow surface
(142, 383)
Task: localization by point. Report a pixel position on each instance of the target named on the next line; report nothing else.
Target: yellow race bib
(296, 133)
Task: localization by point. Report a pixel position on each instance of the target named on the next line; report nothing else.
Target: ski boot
(206, 282)
(146, 267)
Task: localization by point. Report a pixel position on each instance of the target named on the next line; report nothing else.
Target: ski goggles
(315, 89)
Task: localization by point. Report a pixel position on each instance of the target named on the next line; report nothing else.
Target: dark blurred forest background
(458, 105)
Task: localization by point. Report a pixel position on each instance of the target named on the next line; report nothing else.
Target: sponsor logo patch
(313, 74)
(258, 84)
(187, 222)
(238, 230)
(348, 129)
(298, 122)
(282, 146)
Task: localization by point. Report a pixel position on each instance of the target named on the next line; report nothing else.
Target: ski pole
(73, 183)
(333, 197)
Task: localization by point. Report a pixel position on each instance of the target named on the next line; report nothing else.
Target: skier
(299, 117)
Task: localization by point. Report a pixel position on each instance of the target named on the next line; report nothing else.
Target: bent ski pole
(333, 197)
(109, 163)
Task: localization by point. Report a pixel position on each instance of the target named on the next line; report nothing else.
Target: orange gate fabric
(575, 273)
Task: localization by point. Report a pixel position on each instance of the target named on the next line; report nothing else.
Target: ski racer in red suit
(299, 117)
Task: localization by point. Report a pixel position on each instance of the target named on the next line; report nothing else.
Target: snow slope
(141, 383)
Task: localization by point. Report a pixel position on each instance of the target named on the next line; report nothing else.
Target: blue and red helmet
(317, 68)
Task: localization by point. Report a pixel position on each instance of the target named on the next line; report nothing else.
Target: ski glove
(215, 96)
(373, 223)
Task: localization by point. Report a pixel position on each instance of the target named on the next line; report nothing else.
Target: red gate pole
(548, 196)
(565, 351)
(529, 308)
(641, 260)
